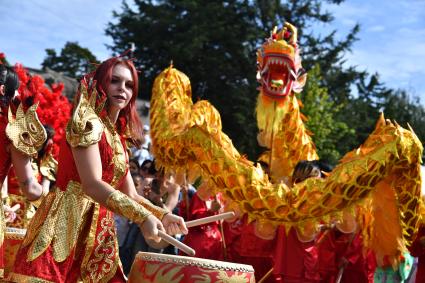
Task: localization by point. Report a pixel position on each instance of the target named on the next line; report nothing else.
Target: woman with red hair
(72, 236)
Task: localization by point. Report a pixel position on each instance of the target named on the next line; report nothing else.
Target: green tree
(214, 43)
(322, 111)
(73, 61)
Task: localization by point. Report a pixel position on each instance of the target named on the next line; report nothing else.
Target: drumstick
(209, 219)
(186, 249)
(15, 207)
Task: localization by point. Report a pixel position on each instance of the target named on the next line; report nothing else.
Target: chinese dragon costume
(378, 183)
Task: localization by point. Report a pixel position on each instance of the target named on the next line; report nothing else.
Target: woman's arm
(172, 223)
(23, 169)
(89, 167)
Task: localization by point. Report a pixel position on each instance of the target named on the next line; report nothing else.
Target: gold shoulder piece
(49, 167)
(85, 128)
(26, 131)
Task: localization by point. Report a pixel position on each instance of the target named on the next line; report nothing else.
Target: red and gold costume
(47, 169)
(205, 239)
(73, 238)
(26, 134)
(15, 196)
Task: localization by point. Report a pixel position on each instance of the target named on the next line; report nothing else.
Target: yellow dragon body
(379, 182)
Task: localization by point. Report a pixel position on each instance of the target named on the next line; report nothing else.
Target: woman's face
(120, 89)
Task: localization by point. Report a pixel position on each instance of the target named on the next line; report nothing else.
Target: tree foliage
(322, 111)
(215, 42)
(73, 61)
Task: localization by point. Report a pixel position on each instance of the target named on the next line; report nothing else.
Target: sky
(391, 41)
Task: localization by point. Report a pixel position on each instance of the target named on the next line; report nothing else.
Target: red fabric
(361, 264)
(204, 239)
(45, 267)
(327, 262)
(243, 246)
(418, 250)
(295, 261)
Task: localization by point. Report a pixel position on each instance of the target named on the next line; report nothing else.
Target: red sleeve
(198, 208)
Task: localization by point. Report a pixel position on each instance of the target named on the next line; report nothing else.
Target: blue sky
(391, 41)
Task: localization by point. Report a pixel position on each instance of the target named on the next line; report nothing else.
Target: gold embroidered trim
(123, 205)
(85, 128)
(119, 159)
(90, 243)
(16, 277)
(105, 252)
(25, 131)
(2, 223)
(157, 211)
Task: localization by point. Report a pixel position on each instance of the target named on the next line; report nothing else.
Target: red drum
(12, 241)
(162, 268)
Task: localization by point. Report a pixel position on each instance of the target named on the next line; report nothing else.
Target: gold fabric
(49, 167)
(27, 279)
(25, 130)
(85, 127)
(123, 205)
(58, 224)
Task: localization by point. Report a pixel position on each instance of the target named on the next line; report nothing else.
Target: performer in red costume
(205, 239)
(72, 237)
(296, 261)
(20, 136)
(44, 168)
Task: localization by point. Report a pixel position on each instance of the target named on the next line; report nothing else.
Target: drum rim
(195, 261)
(15, 233)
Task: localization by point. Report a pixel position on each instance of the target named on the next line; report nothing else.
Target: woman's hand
(150, 228)
(174, 224)
(9, 214)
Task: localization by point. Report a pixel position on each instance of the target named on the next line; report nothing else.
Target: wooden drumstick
(186, 249)
(209, 219)
(15, 207)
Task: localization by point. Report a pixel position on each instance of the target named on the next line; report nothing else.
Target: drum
(12, 241)
(163, 268)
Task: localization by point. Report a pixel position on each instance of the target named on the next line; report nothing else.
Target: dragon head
(279, 64)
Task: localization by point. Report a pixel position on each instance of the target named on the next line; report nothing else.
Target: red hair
(128, 117)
